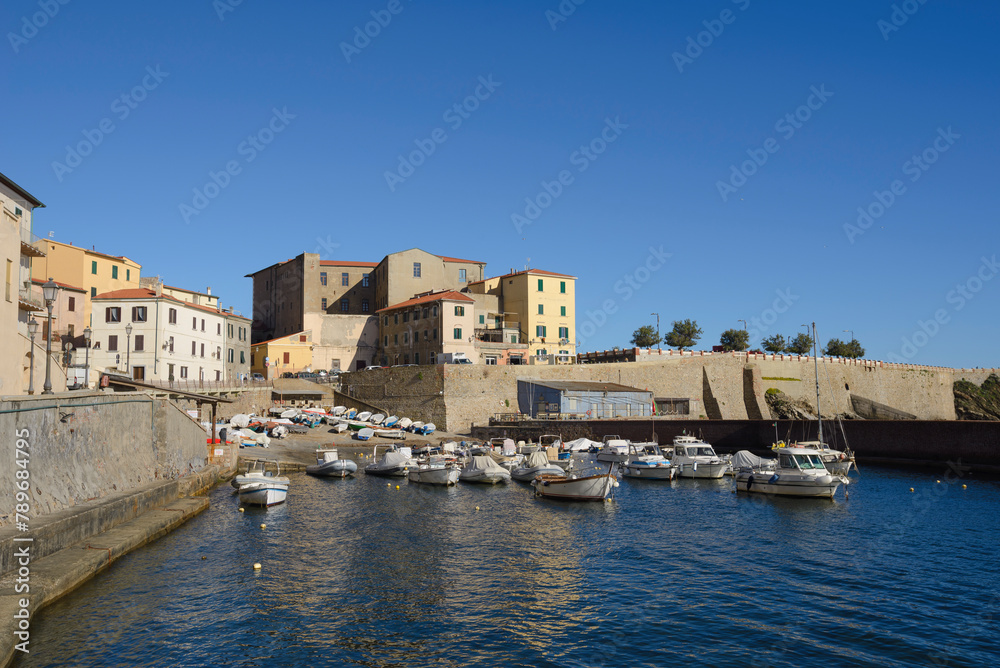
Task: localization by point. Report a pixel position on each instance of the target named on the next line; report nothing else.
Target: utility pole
(657, 331)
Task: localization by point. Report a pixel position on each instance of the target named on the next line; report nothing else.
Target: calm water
(683, 573)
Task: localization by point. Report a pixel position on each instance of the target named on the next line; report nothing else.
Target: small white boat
(428, 429)
(798, 472)
(435, 472)
(255, 471)
(837, 462)
(404, 423)
(613, 449)
(377, 418)
(329, 463)
(364, 434)
(394, 463)
(390, 421)
(351, 413)
(536, 464)
(264, 493)
(697, 459)
(648, 462)
(546, 441)
(573, 488)
(338, 410)
(290, 413)
(482, 469)
(390, 433)
(415, 427)
(364, 415)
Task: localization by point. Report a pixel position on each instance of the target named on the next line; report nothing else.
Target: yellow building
(291, 353)
(95, 272)
(541, 305)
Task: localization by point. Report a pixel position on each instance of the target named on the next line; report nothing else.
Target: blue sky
(829, 103)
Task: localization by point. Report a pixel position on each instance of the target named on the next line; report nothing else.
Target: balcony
(496, 335)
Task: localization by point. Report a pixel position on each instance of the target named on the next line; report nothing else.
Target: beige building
(400, 276)
(237, 345)
(417, 330)
(95, 272)
(286, 354)
(540, 306)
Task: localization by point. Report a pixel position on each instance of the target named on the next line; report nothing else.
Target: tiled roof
(64, 286)
(455, 259)
(449, 295)
(91, 251)
(146, 293)
(541, 272)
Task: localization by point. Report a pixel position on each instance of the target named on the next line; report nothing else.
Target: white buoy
(256, 567)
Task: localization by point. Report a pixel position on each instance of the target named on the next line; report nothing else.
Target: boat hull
(650, 472)
(702, 470)
(263, 494)
(390, 472)
(529, 474)
(339, 468)
(486, 478)
(590, 488)
(435, 476)
(774, 485)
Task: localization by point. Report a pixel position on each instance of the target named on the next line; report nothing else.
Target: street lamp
(851, 332)
(657, 330)
(87, 333)
(128, 348)
(744, 323)
(32, 330)
(49, 291)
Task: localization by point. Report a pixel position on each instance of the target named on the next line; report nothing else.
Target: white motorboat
(573, 488)
(377, 418)
(255, 472)
(363, 416)
(509, 462)
(428, 429)
(536, 464)
(647, 461)
(697, 459)
(338, 410)
(339, 428)
(328, 463)
(390, 433)
(798, 472)
(394, 463)
(436, 472)
(613, 449)
(404, 422)
(837, 462)
(390, 421)
(482, 469)
(364, 434)
(265, 493)
(415, 427)
(289, 413)
(546, 441)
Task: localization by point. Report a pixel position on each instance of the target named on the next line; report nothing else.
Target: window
(285, 357)
(140, 341)
(406, 337)
(345, 305)
(93, 292)
(434, 334)
(406, 317)
(434, 311)
(458, 333)
(203, 350)
(564, 332)
(302, 338)
(395, 318)
(138, 314)
(229, 330)
(184, 372)
(112, 343)
(385, 340)
(218, 352)
(218, 328)
(542, 351)
(425, 312)
(345, 278)
(194, 323)
(540, 285)
(128, 274)
(218, 375)
(459, 310)
(562, 311)
(243, 357)
(364, 306)
(416, 358)
(322, 303)
(364, 280)
(427, 334)
(172, 316)
(10, 265)
(395, 339)
(322, 278)
(114, 271)
(416, 270)
(540, 330)
(385, 320)
(461, 275)
(170, 344)
(491, 359)
(231, 351)
(416, 315)
(93, 267)
(562, 287)
(71, 305)
(194, 348)
(541, 309)
(203, 324)
(482, 319)
(513, 338)
(113, 314)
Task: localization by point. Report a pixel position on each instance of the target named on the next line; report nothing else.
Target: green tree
(645, 337)
(684, 334)
(800, 345)
(835, 348)
(853, 349)
(774, 344)
(735, 339)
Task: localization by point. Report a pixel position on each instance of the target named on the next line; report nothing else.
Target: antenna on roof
(52, 234)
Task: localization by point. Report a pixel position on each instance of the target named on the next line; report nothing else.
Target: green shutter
(562, 287)
(539, 285)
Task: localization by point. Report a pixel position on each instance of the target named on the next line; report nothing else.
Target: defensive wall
(727, 386)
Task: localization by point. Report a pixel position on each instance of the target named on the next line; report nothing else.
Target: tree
(684, 334)
(853, 349)
(800, 345)
(735, 339)
(645, 337)
(838, 348)
(774, 344)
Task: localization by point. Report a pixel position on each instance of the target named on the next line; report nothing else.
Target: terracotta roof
(194, 292)
(64, 286)
(286, 336)
(91, 251)
(335, 263)
(449, 295)
(146, 293)
(455, 259)
(526, 271)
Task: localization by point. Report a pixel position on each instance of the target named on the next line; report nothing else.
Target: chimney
(159, 289)
(208, 290)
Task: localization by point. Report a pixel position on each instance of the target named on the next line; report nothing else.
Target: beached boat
(647, 461)
(377, 418)
(613, 449)
(351, 413)
(390, 421)
(328, 463)
(390, 433)
(570, 487)
(415, 427)
(428, 429)
(364, 415)
(338, 410)
(404, 422)
(436, 472)
(394, 463)
(482, 469)
(798, 472)
(536, 464)
(364, 434)
(697, 459)
(339, 428)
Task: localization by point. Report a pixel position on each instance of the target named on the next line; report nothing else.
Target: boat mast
(819, 413)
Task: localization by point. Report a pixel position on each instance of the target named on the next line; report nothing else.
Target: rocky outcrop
(978, 402)
(783, 407)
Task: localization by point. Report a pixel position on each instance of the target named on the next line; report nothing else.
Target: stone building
(417, 330)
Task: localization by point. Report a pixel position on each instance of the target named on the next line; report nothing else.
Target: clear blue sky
(678, 125)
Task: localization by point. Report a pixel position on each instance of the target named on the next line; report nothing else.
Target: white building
(170, 339)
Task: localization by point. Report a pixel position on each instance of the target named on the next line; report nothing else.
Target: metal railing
(195, 385)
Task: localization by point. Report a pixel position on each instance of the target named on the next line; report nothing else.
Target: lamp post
(657, 330)
(87, 333)
(744, 323)
(128, 348)
(32, 330)
(851, 332)
(49, 291)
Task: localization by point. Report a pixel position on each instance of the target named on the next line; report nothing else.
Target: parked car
(289, 374)
(258, 377)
